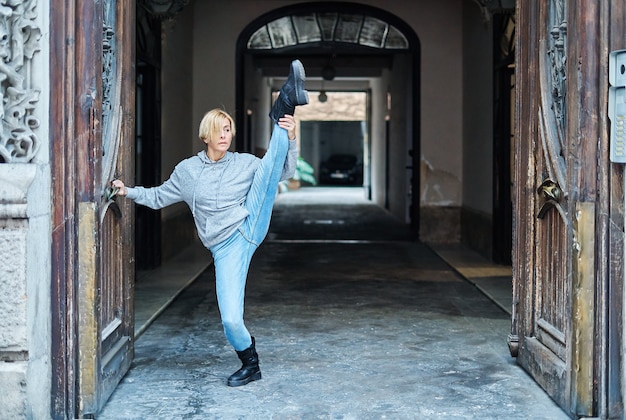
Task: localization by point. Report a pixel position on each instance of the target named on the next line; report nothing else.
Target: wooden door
(92, 125)
(557, 257)
(542, 244)
(105, 230)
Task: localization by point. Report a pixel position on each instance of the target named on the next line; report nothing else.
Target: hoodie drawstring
(195, 187)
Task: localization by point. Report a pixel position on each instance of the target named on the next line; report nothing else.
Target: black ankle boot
(249, 370)
(291, 94)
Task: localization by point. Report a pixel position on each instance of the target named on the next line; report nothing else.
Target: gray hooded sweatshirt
(215, 191)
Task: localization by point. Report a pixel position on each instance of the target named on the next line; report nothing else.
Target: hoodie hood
(205, 159)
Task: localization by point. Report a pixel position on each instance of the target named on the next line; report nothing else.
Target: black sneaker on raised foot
(291, 94)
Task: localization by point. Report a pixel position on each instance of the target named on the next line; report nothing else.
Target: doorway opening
(334, 138)
(344, 44)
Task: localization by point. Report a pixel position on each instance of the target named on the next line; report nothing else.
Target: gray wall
(179, 128)
(477, 211)
(478, 111)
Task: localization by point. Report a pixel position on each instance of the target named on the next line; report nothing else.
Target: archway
(363, 42)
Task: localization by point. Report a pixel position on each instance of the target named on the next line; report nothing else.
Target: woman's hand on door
(120, 187)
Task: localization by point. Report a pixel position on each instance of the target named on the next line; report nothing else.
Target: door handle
(551, 194)
(109, 195)
(550, 190)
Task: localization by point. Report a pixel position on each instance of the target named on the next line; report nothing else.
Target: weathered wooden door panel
(545, 339)
(106, 272)
(554, 320)
(566, 317)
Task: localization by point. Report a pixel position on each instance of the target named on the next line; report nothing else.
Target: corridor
(352, 321)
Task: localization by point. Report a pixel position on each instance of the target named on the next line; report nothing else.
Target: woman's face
(218, 145)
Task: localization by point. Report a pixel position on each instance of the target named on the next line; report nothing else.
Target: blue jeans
(231, 257)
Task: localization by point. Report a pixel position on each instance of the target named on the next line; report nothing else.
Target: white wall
(441, 104)
(378, 153)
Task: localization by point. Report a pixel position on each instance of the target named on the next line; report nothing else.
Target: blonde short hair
(211, 124)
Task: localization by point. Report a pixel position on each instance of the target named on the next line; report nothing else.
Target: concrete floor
(352, 321)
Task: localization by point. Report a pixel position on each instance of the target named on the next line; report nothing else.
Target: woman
(231, 197)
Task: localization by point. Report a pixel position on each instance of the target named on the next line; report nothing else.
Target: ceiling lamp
(328, 72)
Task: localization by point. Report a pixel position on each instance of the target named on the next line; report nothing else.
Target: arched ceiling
(327, 27)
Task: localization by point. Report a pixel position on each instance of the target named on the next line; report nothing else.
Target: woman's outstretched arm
(156, 197)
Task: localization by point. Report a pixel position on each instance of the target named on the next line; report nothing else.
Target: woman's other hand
(121, 188)
(288, 122)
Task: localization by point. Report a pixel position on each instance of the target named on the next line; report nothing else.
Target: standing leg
(231, 259)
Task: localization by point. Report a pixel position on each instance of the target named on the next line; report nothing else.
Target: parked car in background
(341, 169)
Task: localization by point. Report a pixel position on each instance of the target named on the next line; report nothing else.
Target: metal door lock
(551, 194)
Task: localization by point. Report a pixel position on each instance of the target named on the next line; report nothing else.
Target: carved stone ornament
(15, 179)
(19, 41)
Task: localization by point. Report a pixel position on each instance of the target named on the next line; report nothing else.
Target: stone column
(25, 203)
(15, 179)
